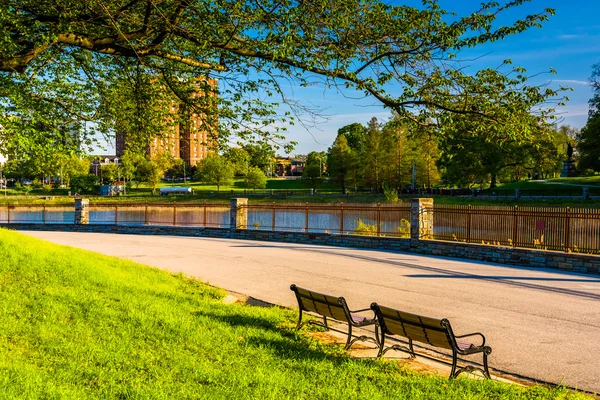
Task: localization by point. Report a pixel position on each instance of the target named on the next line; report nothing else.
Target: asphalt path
(541, 324)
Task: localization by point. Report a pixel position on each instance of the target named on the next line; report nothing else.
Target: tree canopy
(115, 62)
(589, 139)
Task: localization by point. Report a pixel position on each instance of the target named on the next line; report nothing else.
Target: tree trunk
(493, 183)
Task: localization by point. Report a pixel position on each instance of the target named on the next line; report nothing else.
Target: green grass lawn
(553, 184)
(79, 325)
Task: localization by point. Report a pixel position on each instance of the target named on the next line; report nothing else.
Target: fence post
(82, 215)
(586, 193)
(515, 230)
(44, 213)
(174, 213)
(421, 219)
(567, 229)
(273, 216)
(146, 213)
(8, 212)
(116, 213)
(469, 223)
(306, 218)
(342, 218)
(378, 219)
(204, 213)
(238, 213)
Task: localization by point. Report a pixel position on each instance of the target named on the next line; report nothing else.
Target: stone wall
(504, 255)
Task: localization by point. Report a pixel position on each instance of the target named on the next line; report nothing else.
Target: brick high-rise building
(192, 139)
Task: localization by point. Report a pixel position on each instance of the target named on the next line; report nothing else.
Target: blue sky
(569, 42)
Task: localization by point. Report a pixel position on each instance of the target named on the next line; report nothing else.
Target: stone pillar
(421, 219)
(238, 214)
(586, 193)
(82, 211)
(311, 191)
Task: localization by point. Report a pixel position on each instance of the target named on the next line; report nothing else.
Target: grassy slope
(75, 324)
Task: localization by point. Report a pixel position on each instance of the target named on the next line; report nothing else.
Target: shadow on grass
(287, 343)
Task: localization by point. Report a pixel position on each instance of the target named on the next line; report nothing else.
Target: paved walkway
(542, 324)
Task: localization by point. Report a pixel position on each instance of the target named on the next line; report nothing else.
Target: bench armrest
(473, 334)
(356, 311)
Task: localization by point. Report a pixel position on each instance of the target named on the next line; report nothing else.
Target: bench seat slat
(322, 304)
(419, 334)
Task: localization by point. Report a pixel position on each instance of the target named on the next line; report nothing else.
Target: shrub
(84, 183)
(256, 179)
(404, 228)
(390, 194)
(365, 229)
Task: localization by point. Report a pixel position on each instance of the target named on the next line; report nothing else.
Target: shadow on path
(444, 273)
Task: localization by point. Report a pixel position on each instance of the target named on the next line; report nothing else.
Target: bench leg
(349, 340)
(325, 322)
(412, 350)
(299, 325)
(381, 344)
(486, 371)
(453, 372)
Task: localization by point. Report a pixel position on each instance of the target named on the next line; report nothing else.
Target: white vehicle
(175, 190)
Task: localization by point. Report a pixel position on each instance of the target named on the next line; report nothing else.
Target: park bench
(335, 308)
(431, 331)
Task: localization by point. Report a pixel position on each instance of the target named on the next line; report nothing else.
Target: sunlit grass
(79, 325)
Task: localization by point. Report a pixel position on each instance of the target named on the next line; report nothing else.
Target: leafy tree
(356, 135)
(261, 155)
(70, 166)
(371, 159)
(85, 183)
(153, 170)
(129, 164)
(313, 168)
(589, 145)
(117, 63)
(396, 159)
(340, 162)
(177, 168)
(239, 159)
(589, 140)
(110, 172)
(256, 179)
(215, 170)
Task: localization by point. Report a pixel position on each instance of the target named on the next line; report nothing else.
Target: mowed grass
(79, 325)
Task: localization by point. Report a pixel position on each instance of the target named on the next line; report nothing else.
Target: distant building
(191, 140)
(99, 161)
(290, 166)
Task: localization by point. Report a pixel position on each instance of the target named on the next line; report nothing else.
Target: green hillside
(78, 325)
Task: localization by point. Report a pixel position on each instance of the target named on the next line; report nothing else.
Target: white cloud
(573, 110)
(569, 37)
(571, 81)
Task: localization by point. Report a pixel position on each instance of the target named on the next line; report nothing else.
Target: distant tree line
(384, 155)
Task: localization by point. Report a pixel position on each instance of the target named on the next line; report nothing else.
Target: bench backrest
(329, 306)
(435, 332)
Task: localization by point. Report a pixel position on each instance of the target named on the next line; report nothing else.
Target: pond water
(393, 223)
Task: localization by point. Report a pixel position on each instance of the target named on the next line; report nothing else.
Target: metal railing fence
(122, 213)
(361, 219)
(544, 228)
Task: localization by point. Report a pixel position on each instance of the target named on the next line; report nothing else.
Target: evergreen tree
(340, 162)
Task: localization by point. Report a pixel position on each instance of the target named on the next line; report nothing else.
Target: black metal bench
(335, 308)
(431, 331)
